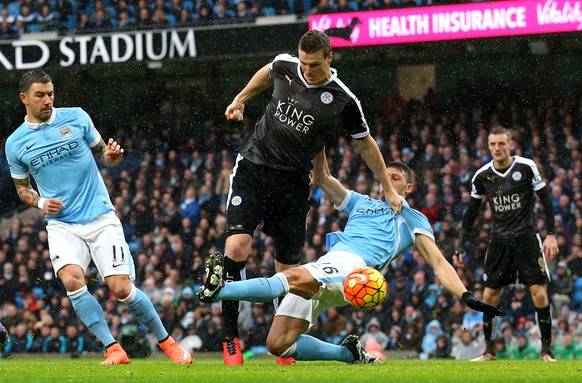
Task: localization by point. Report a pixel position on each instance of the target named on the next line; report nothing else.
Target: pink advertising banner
(450, 22)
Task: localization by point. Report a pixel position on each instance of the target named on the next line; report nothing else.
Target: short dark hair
(501, 130)
(403, 168)
(314, 41)
(31, 77)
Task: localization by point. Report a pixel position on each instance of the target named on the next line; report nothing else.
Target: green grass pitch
(265, 370)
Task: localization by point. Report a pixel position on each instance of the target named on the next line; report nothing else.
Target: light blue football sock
(310, 348)
(91, 314)
(258, 290)
(144, 310)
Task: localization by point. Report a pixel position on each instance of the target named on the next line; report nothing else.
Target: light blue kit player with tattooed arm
(56, 146)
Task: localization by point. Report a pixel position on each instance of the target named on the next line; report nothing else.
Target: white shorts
(101, 241)
(331, 271)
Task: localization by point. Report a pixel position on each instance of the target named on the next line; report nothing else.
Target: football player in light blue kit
(56, 146)
(373, 237)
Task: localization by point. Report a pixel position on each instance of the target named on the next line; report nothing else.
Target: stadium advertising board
(97, 48)
(450, 22)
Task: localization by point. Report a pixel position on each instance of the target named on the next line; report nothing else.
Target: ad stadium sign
(98, 48)
(450, 22)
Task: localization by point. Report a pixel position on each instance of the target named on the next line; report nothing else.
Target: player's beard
(43, 116)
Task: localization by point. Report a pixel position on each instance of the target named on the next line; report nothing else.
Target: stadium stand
(170, 196)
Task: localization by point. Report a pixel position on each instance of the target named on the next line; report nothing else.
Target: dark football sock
(487, 330)
(233, 271)
(545, 323)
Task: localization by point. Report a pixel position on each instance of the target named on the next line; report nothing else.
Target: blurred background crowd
(170, 193)
(82, 16)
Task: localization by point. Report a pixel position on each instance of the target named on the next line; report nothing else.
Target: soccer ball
(365, 288)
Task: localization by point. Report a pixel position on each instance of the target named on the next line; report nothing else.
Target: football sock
(233, 272)
(144, 310)
(91, 314)
(545, 323)
(487, 330)
(257, 290)
(310, 348)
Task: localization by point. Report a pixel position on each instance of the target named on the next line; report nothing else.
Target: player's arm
(550, 245)
(448, 276)
(469, 218)
(258, 83)
(30, 197)
(322, 177)
(111, 153)
(371, 154)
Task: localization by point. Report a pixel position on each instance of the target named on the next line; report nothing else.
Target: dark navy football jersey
(301, 118)
(510, 195)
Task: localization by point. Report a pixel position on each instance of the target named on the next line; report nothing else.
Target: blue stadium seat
(13, 8)
(112, 12)
(269, 11)
(353, 5)
(171, 20)
(33, 28)
(188, 5)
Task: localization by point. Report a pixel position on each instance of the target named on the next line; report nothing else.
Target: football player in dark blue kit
(270, 181)
(515, 249)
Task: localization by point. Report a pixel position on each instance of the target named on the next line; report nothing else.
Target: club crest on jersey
(326, 98)
(65, 132)
(516, 176)
(236, 200)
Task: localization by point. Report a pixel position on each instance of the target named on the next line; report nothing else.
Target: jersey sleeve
(277, 60)
(354, 120)
(90, 133)
(348, 203)
(477, 189)
(536, 182)
(18, 169)
(416, 222)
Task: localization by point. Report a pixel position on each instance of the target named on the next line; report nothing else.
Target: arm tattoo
(25, 191)
(99, 149)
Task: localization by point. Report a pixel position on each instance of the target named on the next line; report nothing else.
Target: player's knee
(277, 345)
(238, 247)
(121, 287)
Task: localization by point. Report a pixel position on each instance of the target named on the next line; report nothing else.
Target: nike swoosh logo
(29, 146)
(117, 265)
(184, 356)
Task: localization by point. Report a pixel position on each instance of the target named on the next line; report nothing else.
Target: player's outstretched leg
(213, 283)
(361, 356)
(115, 354)
(177, 353)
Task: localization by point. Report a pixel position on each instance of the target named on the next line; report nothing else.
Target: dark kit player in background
(270, 182)
(514, 251)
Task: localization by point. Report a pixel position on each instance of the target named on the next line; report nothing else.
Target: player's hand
(52, 206)
(470, 300)
(550, 246)
(235, 111)
(458, 258)
(113, 153)
(395, 201)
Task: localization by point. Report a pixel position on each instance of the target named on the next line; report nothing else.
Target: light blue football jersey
(373, 231)
(57, 154)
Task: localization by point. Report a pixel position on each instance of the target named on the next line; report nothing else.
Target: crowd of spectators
(84, 16)
(170, 194)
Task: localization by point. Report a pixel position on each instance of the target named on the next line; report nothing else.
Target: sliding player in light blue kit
(373, 236)
(56, 146)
